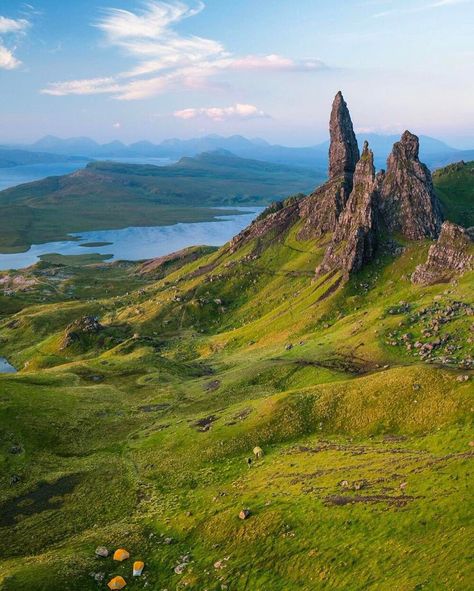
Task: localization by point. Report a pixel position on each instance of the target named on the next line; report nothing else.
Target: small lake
(5, 367)
(138, 243)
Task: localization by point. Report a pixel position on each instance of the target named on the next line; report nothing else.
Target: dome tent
(138, 567)
(121, 555)
(116, 583)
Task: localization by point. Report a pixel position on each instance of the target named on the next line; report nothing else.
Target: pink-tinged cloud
(275, 62)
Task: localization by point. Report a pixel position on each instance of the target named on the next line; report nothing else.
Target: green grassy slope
(455, 187)
(138, 436)
(108, 195)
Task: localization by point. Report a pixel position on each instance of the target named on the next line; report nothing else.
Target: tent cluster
(119, 582)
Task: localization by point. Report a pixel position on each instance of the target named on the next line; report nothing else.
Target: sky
(149, 69)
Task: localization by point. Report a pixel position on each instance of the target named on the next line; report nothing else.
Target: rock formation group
(356, 208)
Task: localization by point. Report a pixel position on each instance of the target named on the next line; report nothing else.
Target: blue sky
(132, 69)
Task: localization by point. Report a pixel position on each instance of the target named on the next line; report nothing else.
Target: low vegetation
(137, 432)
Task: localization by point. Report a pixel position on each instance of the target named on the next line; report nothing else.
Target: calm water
(5, 367)
(136, 244)
(17, 175)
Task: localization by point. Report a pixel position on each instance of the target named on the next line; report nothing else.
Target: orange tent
(116, 583)
(138, 568)
(121, 554)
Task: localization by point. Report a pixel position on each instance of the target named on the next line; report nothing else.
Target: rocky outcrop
(408, 203)
(355, 208)
(355, 239)
(87, 325)
(320, 211)
(343, 148)
(452, 254)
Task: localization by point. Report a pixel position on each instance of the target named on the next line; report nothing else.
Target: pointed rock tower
(343, 148)
(355, 239)
(408, 202)
(322, 209)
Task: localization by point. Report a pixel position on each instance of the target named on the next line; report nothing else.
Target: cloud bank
(165, 59)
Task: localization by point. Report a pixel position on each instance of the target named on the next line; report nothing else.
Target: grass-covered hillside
(455, 188)
(108, 195)
(143, 391)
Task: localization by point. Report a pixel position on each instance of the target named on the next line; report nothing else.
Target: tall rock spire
(343, 149)
(408, 202)
(355, 238)
(322, 209)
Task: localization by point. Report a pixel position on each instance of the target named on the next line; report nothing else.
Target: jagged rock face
(355, 238)
(343, 149)
(321, 210)
(452, 254)
(408, 202)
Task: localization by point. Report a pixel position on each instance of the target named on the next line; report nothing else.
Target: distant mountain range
(433, 152)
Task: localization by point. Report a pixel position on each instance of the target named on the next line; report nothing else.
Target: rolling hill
(334, 334)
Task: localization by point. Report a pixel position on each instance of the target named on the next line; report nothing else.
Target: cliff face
(452, 253)
(355, 238)
(408, 203)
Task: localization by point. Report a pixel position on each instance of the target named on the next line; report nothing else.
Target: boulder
(452, 254)
(244, 514)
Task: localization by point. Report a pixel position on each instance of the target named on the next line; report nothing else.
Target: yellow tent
(121, 554)
(138, 568)
(116, 583)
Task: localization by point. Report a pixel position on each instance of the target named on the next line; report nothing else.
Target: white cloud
(237, 111)
(117, 125)
(87, 86)
(10, 27)
(166, 59)
(7, 60)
